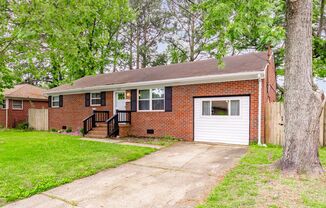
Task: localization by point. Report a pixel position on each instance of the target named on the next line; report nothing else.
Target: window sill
(149, 111)
(18, 109)
(95, 105)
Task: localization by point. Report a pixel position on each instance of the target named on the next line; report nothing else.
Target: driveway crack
(72, 203)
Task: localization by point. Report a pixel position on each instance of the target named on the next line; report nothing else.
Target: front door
(120, 100)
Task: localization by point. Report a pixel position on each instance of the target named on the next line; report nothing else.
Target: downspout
(7, 107)
(259, 109)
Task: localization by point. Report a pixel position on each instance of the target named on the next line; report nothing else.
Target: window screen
(17, 104)
(206, 108)
(235, 107)
(220, 108)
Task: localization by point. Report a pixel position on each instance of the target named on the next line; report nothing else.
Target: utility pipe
(259, 108)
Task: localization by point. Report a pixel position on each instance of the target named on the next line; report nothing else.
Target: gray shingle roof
(250, 62)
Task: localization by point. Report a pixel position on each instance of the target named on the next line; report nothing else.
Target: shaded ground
(255, 184)
(177, 176)
(32, 162)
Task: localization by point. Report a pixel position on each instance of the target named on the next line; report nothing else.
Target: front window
(55, 101)
(17, 104)
(95, 99)
(151, 99)
(221, 108)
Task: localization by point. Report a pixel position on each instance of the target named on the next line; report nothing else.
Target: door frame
(114, 99)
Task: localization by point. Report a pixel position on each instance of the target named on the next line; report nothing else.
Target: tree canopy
(49, 42)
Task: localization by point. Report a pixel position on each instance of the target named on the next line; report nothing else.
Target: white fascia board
(167, 82)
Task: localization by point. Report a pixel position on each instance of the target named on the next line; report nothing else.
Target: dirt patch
(287, 191)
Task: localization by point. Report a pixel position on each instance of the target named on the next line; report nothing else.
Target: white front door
(222, 119)
(120, 100)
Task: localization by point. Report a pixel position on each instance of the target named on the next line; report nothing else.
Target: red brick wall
(271, 81)
(74, 111)
(179, 122)
(19, 116)
(2, 118)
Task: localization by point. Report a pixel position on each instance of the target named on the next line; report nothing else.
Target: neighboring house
(17, 102)
(193, 101)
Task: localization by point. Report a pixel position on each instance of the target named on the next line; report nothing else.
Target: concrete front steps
(100, 131)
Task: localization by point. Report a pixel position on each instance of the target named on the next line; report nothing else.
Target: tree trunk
(303, 103)
(130, 48)
(321, 20)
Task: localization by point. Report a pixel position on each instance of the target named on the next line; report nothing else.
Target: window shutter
(103, 100)
(50, 101)
(133, 100)
(168, 99)
(87, 99)
(60, 100)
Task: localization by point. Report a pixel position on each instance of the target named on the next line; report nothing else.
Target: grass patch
(253, 183)
(32, 162)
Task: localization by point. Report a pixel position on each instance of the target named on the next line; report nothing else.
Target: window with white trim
(95, 99)
(221, 108)
(56, 101)
(151, 99)
(17, 104)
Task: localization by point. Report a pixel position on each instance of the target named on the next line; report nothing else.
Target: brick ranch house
(17, 101)
(194, 101)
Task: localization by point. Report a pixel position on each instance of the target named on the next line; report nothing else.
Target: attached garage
(222, 119)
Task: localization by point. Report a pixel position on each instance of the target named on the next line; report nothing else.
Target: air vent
(150, 131)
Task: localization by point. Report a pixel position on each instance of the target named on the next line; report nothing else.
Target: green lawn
(253, 183)
(32, 162)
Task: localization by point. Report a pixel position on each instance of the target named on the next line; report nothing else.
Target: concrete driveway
(179, 176)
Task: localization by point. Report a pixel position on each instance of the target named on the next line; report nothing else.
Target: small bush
(81, 131)
(69, 129)
(53, 130)
(23, 126)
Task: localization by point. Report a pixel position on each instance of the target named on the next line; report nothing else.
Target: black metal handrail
(89, 123)
(101, 116)
(124, 116)
(112, 126)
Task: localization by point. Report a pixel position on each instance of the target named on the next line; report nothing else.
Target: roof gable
(25, 91)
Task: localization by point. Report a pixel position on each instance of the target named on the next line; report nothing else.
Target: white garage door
(222, 119)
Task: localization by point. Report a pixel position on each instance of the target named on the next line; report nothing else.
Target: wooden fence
(274, 124)
(38, 119)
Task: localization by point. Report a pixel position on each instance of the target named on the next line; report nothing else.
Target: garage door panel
(224, 129)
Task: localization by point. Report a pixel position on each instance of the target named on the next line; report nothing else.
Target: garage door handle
(281, 124)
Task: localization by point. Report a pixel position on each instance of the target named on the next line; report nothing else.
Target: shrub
(23, 126)
(69, 129)
(53, 130)
(81, 131)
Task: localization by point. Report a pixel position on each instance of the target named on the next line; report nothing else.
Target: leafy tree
(241, 25)
(15, 41)
(185, 34)
(60, 41)
(145, 32)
